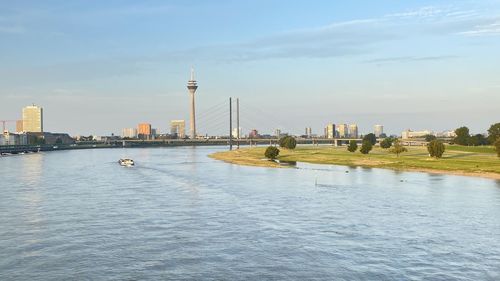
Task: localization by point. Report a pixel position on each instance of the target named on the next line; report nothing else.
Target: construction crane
(4, 122)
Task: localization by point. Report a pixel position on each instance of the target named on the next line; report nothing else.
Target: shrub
(370, 137)
(272, 152)
(353, 146)
(366, 147)
(288, 142)
(386, 143)
(429, 138)
(398, 148)
(435, 148)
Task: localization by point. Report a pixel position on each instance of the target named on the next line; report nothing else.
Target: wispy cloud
(362, 36)
(410, 59)
(422, 12)
(491, 29)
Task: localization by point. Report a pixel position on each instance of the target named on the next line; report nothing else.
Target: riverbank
(456, 160)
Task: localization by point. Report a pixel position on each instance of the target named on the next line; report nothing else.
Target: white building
(235, 133)
(408, 134)
(446, 134)
(129, 133)
(378, 130)
(277, 133)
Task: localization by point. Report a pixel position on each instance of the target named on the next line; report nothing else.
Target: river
(179, 215)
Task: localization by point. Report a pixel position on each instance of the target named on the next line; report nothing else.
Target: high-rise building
(178, 128)
(19, 126)
(144, 131)
(330, 131)
(277, 133)
(192, 86)
(33, 119)
(129, 133)
(236, 133)
(378, 130)
(342, 131)
(353, 131)
(308, 132)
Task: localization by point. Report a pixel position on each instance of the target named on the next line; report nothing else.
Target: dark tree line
(463, 136)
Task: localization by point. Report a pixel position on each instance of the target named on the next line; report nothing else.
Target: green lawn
(480, 149)
(475, 161)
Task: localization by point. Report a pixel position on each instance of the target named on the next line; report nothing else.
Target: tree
(353, 146)
(366, 147)
(371, 138)
(497, 146)
(477, 139)
(386, 143)
(398, 148)
(288, 142)
(435, 148)
(463, 136)
(271, 152)
(429, 138)
(494, 133)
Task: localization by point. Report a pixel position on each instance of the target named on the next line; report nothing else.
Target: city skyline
(413, 65)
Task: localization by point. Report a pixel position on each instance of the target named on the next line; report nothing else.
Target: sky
(99, 66)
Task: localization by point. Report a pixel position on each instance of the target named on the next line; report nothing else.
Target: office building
(353, 131)
(236, 133)
(130, 133)
(342, 130)
(308, 132)
(408, 134)
(32, 119)
(178, 128)
(277, 133)
(144, 131)
(330, 131)
(378, 130)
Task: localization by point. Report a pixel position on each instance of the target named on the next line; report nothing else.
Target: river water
(179, 215)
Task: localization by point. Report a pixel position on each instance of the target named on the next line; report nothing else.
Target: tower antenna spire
(192, 86)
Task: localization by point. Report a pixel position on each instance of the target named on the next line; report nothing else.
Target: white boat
(126, 162)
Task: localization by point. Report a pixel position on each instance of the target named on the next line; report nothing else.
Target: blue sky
(99, 66)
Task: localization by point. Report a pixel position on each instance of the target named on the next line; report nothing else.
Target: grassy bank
(456, 160)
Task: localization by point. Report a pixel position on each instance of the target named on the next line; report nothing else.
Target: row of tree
(463, 136)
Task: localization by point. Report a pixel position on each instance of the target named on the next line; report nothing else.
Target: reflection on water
(180, 215)
(31, 168)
